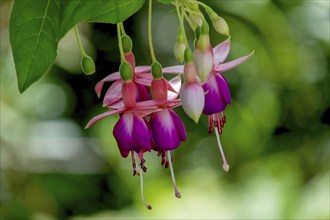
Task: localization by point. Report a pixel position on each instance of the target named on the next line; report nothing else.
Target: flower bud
(197, 32)
(221, 26)
(126, 71)
(205, 28)
(203, 42)
(196, 20)
(179, 49)
(192, 99)
(87, 65)
(188, 56)
(127, 44)
(159, 89)
(156, 70)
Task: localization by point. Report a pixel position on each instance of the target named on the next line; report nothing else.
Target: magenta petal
(164, 131)
(179, 124)
(106, 114)
(142, 93)
(221, 51)
(223, 88)
(123, 133)
(112, 77)
(141, 69)
(114, 93)
(214, 102)
(141, 134)
(174, 69)
(229, 65)
(132, 134)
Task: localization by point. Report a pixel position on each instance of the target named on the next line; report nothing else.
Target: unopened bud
(188, 56)
(205, 28)
(156, 70)
(127, 44)
(87, 65)
(197, 32)
(179, 49)
(126, 71)
(180, 36)
(203, 42)
(221, 26)
(196, 20)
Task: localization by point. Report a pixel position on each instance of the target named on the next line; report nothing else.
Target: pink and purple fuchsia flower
(216, 90)
(145, 100)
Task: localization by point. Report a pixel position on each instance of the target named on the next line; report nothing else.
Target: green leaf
(33, 29)
(108, 11)
(37, 26)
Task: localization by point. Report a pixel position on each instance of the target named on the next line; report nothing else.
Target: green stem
(203, 5)
(190, 22)
(120, 44)
(122, 29)
(180, 17)
(82, 51)
(152, 52)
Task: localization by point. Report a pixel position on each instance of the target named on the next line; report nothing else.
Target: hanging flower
(216, 90)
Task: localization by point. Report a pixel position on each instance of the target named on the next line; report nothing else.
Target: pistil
(177, 193)
(225, 165)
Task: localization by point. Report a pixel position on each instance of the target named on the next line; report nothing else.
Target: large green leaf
(36, 26)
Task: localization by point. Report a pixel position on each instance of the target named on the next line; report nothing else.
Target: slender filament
(177, 193)
(142, 196)
(225, 165)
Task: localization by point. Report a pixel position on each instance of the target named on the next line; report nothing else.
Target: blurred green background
(276, 138)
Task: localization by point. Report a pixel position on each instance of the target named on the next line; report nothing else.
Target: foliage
(37, 26)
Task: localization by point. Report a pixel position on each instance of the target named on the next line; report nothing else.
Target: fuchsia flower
(217, 94)
(133, 133)
(166, 127)
(216, 89)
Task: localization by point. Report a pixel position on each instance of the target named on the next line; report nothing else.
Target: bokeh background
(276, 138)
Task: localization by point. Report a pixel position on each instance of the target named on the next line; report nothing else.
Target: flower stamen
(135, 171)
(225, 165)
(210, 120)
(177, 193)
(142, 161)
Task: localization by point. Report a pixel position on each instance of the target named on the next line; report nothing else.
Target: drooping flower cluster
(148, 121)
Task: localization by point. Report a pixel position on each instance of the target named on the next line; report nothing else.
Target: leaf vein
(37, 41)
